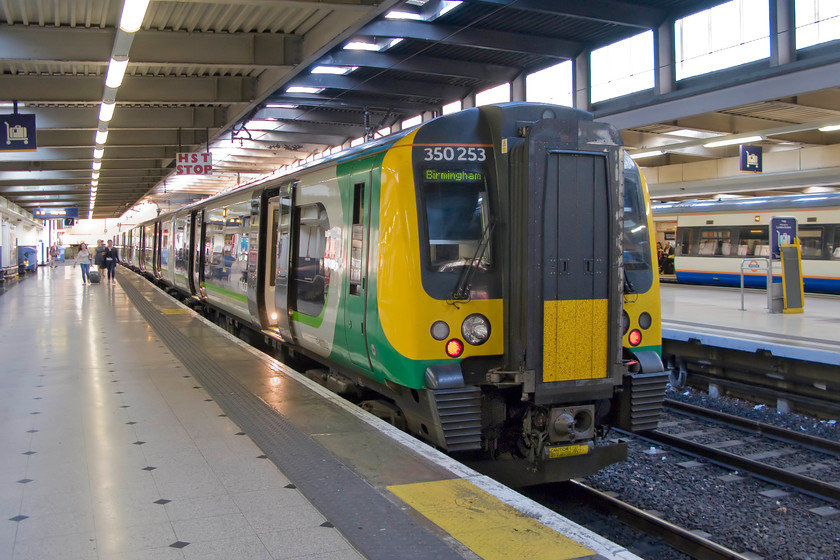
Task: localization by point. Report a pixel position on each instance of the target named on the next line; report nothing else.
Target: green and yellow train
(483, 280)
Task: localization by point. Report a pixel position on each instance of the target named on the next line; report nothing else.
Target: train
(713, 237)
(483, 280)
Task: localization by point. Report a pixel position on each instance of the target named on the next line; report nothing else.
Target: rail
(755, 266)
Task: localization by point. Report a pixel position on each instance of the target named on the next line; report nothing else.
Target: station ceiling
(201, 69)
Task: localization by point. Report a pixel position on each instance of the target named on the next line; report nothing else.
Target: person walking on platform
(99, 256)
(54, 255)
(83, 259)
(111, 258)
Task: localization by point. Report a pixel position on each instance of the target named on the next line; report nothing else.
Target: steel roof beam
(127, 117)
(142, 89)
(423, 65)
(316, 115)
(150, 48)
(475, 38)
(352, 101)
(604, 11)
(384, 86)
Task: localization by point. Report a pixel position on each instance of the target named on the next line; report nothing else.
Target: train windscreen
(638, 271)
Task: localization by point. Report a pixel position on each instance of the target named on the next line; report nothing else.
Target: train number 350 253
(454, 153)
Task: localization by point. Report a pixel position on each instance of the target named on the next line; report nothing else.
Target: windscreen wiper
(462, 290)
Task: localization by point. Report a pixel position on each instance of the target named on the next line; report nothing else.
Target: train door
(281, 217)
(197, 259)
(355, 307)
(156, 258)
(575, 234)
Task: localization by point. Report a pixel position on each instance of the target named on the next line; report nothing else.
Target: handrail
(753, 265)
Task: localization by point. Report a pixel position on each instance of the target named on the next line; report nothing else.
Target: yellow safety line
(176, 311)
(489, 527)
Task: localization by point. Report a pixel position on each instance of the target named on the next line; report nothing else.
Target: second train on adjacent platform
(713, 238)
(470, 279)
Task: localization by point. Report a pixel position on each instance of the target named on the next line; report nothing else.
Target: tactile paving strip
(372, 524)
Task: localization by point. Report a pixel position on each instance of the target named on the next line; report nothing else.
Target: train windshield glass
(457, 216)
(637, 251)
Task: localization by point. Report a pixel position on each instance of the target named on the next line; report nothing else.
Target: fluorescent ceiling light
(299, 89)
(94, 183)
(132, 15)
(397, 14)
(690, 133)
(281, 106)
(361, 46)
(97, 165)
(98, 153)
(106, 111)
(731, 141)
(116, 71)
(93, 190)
(394, 41)
(337, 70)
(94, 175)
(650, 153)
(90, 215)
(101, 136)
(830, 128)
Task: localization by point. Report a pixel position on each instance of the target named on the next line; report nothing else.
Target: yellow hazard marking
(486, 525)
(177, 311)
(575, 340)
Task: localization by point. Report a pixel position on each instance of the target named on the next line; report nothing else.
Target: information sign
(782, 232)
(194, 164)
(17, 133)
(751, 159)
(57, 213)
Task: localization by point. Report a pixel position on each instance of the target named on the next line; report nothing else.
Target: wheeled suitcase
(94, 277)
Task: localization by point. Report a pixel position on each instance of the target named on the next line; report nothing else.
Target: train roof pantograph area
(266, 84)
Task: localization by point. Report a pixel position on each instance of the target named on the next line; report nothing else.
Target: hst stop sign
(194, 164)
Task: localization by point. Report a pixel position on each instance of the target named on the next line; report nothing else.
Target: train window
(226, 249)
(357, 240)
(715, 242)
(834, 250)
(684, 236)
(752, 241)
(181, 250)
(811, 241)
(457, 217)
(637, 249)
(312, 277)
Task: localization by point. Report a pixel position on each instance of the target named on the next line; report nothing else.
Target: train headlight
(476, 329)
(454, 348)
(635, 337)
(440, 330)
(645, 320)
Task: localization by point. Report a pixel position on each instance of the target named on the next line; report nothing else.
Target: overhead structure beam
(150, 48)
(403, 88)
(145, 89)
(333, 5)
(85, 117)
(476, 38)
(630, 14)
(352, 100)
(423, 65)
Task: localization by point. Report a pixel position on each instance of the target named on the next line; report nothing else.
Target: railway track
(755, 464)
(676, 537)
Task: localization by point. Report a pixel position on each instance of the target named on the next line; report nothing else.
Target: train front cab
(550, 293)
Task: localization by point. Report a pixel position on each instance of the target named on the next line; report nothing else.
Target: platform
(713, 316)
(133, 428)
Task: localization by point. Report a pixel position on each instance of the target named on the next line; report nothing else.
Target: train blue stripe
(727, 279)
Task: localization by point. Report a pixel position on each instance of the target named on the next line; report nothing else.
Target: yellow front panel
(406, 311)
(486, 525)
(575, 340)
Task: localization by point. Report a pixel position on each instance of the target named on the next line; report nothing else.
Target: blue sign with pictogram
(783, 231)
(17, 133)
(751, 159)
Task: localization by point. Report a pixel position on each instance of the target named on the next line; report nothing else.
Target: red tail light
(454, 348)
(635, 337)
